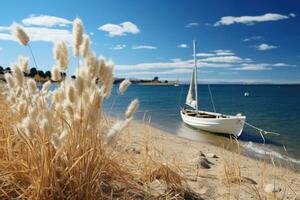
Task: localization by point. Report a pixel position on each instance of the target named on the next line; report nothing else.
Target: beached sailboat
(208, 121)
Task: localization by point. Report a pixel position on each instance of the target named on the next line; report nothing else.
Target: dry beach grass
(61, 145)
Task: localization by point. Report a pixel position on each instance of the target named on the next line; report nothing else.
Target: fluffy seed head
(55, 74)
(22, 107)
(18, 74)
(133, 106)
(61, 55)
(124, 85)
(21, 35)
(23, 62)
(71, 94)
(116, 129)
(32, 86)
(10, 81)
(46, 86)
(28, 127)
(79, 85)
(77, 36)
(57, 97)
(85, 47)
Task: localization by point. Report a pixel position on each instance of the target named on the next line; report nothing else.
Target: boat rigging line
(261, 131)
(211, 98)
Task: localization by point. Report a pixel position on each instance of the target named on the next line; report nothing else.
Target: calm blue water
(270, 107)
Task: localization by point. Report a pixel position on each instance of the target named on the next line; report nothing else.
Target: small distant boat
(246, 94)
(208, 121)
(176, 83)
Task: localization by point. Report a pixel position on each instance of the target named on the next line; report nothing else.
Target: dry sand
(230, 175)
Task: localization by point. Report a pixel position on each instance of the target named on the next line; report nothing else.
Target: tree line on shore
(37, 75)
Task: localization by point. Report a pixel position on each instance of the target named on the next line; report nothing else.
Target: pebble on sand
(271, 188)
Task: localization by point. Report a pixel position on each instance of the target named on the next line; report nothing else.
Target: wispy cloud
(43, 34)
(45, 20)
(183, 46)
(222, 52)
(118, 47)
(250, 20)
(144, 47)
(174, 64)
(254, 67)
(205, 54)
(120, 29)
(283, 65)
(261, 66)
(1, 48)
(192, 24)
(253, 38)
(264, 47)
(176, 60)
(223, 59)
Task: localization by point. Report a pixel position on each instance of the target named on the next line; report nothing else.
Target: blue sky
(238, 41)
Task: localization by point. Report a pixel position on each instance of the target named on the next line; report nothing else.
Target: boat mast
(195, 67)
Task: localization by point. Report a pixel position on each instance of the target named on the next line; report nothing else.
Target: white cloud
(174, 64)
(184, 46)
(1, 49)
(120, 30)
(261, 66)
(167, 72)
(264, 47)
(205, 54)
(192, 24)
(258, 37)
(223, 59)
(45, 20)
(118, 47)
(250, 20)
(144, 47)
(176, 60)
(254, 67)
(44, 34)
(91, 33)
(222, 52)
(283, 65)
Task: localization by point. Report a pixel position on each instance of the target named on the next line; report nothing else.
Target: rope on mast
(211, 98)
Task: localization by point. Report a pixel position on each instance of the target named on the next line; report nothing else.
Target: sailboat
(208, 121)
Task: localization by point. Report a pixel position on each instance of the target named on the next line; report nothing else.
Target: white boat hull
(224, 124)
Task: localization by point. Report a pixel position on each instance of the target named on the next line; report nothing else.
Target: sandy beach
(227, 175)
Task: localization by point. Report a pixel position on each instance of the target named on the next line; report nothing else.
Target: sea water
(269, 107)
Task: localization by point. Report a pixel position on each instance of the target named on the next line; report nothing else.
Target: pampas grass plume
(18, 74)
(61, 55)
(55, 74)
(10, 81)
(124, 85)
(115, 130)
(71, 94)
(21, 35)
(77, 36)
(32, 86)
(79, 85)
(46, 86)
(23, 62)
(86, 47)
(28, 127)
(22, 107)
(133, 106)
